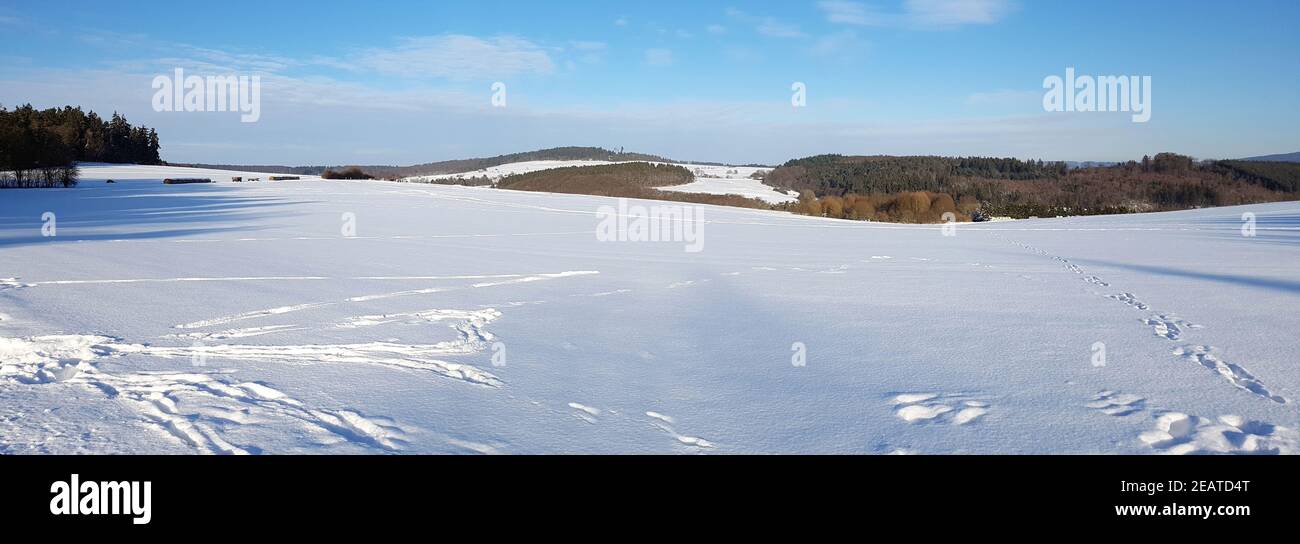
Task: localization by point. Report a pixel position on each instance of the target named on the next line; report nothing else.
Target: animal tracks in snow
(955, 409)
(1169, 327)
(1096, 281)
(1131, 300)
(1180, 433)
(1173, 328)
(1234, 374)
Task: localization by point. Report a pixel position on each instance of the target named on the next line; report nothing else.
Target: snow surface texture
(239, 319)
(717, 180)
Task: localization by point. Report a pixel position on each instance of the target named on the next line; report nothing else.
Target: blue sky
(402, 82)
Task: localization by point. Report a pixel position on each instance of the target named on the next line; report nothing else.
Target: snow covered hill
(710, 179)
(495, 173)
(368, 317)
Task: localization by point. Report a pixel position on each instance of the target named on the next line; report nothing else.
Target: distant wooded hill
(1284, 157)
(1009, 187)
(458, 166)
(624, 180)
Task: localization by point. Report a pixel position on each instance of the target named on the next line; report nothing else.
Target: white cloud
(621, 21)
(716, 30)
(767, 26)
(920, 13)
(957, 12)
(460, 57)
(742, 55)
(589, 52)
(843, 46)
(659, 57)
(777, 29)
(849, 13)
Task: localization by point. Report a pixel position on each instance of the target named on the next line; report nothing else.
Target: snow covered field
(732, 180)
(242, 318)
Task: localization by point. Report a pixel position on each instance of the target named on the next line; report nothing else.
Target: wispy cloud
(659, 57)
(767, 26)
(589, 52)
(958, 12)
(850, 13)
(588, 45)
(458, 57)
(920, 13)
(844, 46)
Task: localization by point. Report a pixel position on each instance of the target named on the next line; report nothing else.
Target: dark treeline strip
(40, 148)
(838, 175)
(892, 188)
(351, 172)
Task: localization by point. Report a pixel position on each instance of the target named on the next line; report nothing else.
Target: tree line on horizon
(896, 189)
(40, 148)
(351, 172)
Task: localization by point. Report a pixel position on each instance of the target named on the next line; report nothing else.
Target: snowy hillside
(495, 173)
(368, 317)
(710, 179)
(732, 180)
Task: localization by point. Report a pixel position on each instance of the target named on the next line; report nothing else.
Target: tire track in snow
(470, 326)
(198, 408)
(661, 422)
(512, 279)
